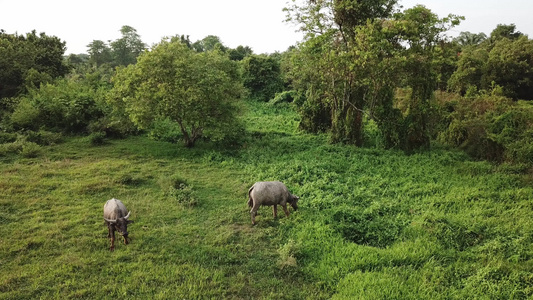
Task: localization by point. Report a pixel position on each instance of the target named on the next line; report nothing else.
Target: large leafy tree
(99, 53)
(510, 65)
(126, 49)
(262, 76)
(209, 43)
(506, 60)
(174, 83)
(29, 59)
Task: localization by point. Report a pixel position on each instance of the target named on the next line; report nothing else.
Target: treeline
(366, 73)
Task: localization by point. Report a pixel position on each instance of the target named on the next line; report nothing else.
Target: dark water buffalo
(116, 217)
(270, 193)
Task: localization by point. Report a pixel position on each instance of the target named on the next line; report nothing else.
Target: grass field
(372, 224)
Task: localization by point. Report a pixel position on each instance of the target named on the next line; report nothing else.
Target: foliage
(510, 65)
(31, 58)
(195, 90)
(506, 59)
(43, 137)
(99, 53)
(177, 188)
(97, 138)
(66, 106)
(467, 38)
(470, 69)
(489, 127)
(503, 31)
(354, 57)
(262, 76)
(240, 53)
(209, 43)
(428, 225)
(126, 49)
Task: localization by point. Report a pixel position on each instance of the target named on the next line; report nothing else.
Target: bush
(43, 137)
(114, 126)
(6, 137)
(97, 138)
(177, 188)
(66, 106)
(165, 130)
(30, 150)
(470, 126)
(283, 97)
(374, 226)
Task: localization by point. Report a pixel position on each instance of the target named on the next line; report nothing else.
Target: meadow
(372, 224)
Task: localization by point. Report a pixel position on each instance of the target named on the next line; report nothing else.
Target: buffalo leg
(253, 213)
(112, 248)
(111, 235)
(285, 210)
(275, 211)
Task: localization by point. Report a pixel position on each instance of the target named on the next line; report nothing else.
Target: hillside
(372, 224)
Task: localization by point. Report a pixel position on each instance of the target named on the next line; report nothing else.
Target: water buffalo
(270, 193)
(116, 217)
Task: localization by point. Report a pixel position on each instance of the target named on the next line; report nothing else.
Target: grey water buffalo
(270, 193)
(116, 217)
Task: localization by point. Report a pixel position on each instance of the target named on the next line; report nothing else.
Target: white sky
(255, 23)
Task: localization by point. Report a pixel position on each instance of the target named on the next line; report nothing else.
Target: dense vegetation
(412, 154)
(372, 224)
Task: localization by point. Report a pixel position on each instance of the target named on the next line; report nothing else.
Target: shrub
(469, 126)
(6, 137)
(374, 226)
(165, 130)
(177, 188)
(66, 106)
(97, 138)
(30, 150)
(26, 115)
(114, 126)
(283, 97)
(43, 137)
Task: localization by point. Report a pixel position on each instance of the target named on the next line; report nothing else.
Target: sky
(258, 24)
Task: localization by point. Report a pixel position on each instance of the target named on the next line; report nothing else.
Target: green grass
(372, 224)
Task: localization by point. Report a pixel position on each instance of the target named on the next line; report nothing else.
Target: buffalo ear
(130, 221)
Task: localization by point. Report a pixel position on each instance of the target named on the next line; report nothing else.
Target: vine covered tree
(196, 91)
(354, 55)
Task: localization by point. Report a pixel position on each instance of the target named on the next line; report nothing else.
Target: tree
(262, 76)
(19, 54)
(505, 31)
(99, 53)
(467, 38)
(505, 60)
(352, 59)
(421, 31)
(510, 65)
(239, 53)
(334, 82)
(197, 91)
(209, 43)
(126, 49)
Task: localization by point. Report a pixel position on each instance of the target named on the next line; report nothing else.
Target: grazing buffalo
(270, 193)
(116, 217)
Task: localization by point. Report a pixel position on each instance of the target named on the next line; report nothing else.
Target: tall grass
(372, 224)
